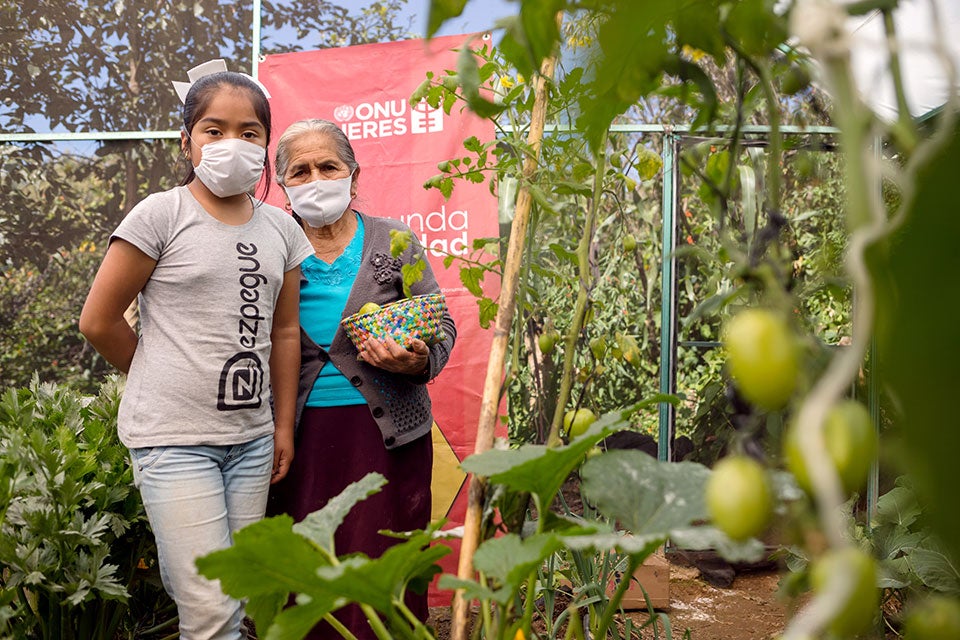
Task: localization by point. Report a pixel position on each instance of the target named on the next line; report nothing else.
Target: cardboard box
(654, 575)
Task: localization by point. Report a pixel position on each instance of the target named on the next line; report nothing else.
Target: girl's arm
(122, 274)
(285, 370)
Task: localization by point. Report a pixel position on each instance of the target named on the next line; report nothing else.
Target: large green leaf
(643, 494)
(898, 507)
(294, 623)
(703, 538)
(470, 83)
(538, 469)
(654, 501)
(918, 338)
(377, 582)
(441, 11)
(539, 19)
(629, 62)
(935, 569)
(755, 26)
(474, 590)
(696, 25)
(265, 608)
(320, 526)
(930, 562)
(640, 546)
(266, 557)
(510, 558)
(889, 542)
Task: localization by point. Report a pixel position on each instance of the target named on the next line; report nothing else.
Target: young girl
(217, 275)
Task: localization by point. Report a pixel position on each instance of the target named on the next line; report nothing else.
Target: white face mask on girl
(230, 167)
(321, 202)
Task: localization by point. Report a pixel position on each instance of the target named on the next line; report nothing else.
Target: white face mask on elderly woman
(230, 167)
(321, 202)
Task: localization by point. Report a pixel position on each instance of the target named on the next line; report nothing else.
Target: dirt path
(748, 610)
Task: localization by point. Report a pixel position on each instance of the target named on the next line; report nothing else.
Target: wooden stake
(494, 380)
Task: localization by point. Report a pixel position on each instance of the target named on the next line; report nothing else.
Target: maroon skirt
(337, 446)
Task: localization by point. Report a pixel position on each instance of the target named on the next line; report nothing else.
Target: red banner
(366, 90)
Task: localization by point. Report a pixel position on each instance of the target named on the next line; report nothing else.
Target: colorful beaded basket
(417, 317)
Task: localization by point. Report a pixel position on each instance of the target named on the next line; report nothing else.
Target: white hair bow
(205, 69)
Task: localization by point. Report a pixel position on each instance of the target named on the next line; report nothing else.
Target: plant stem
(419, 629)
(493, 383)
(762, 69)
(613, 605)
(574, 626)
(583, 294)
(866, 219)
(529, 604)
(160, 627)
(342, 630)
(734, 145)
(904, 119)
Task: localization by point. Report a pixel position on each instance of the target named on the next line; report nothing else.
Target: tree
(106, 65)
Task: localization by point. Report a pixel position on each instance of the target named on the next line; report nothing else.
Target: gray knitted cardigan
(399, 403)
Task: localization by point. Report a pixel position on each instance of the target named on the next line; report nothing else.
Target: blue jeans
(195, 498)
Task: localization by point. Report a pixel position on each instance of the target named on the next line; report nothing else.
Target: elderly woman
(356, 412)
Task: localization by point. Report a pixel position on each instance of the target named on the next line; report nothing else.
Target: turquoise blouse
(323, 295)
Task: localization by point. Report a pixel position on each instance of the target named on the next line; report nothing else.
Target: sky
(478, 15)
(925, 76)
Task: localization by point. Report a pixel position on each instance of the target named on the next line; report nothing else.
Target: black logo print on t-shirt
(241, 379)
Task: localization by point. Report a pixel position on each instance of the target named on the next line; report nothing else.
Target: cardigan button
(389, 440)
(378, 412)
(356, 381)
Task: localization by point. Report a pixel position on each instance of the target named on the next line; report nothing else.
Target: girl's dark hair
(198, 100)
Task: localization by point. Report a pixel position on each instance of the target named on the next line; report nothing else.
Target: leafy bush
(274, 558)
(916, 563)
(73, 531)
(39, 308)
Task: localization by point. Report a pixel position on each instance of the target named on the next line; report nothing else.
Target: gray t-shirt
(201, 372)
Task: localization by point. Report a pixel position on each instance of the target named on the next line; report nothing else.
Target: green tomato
(763, 357)
(937, 617)
(739, 498)
(862, 604)
(851, 442)
(369, 307)
(576, 422)
(629, 242)
(795, 80)
(547, 341)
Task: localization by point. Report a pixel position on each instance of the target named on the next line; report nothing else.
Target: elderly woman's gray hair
(313, 126)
